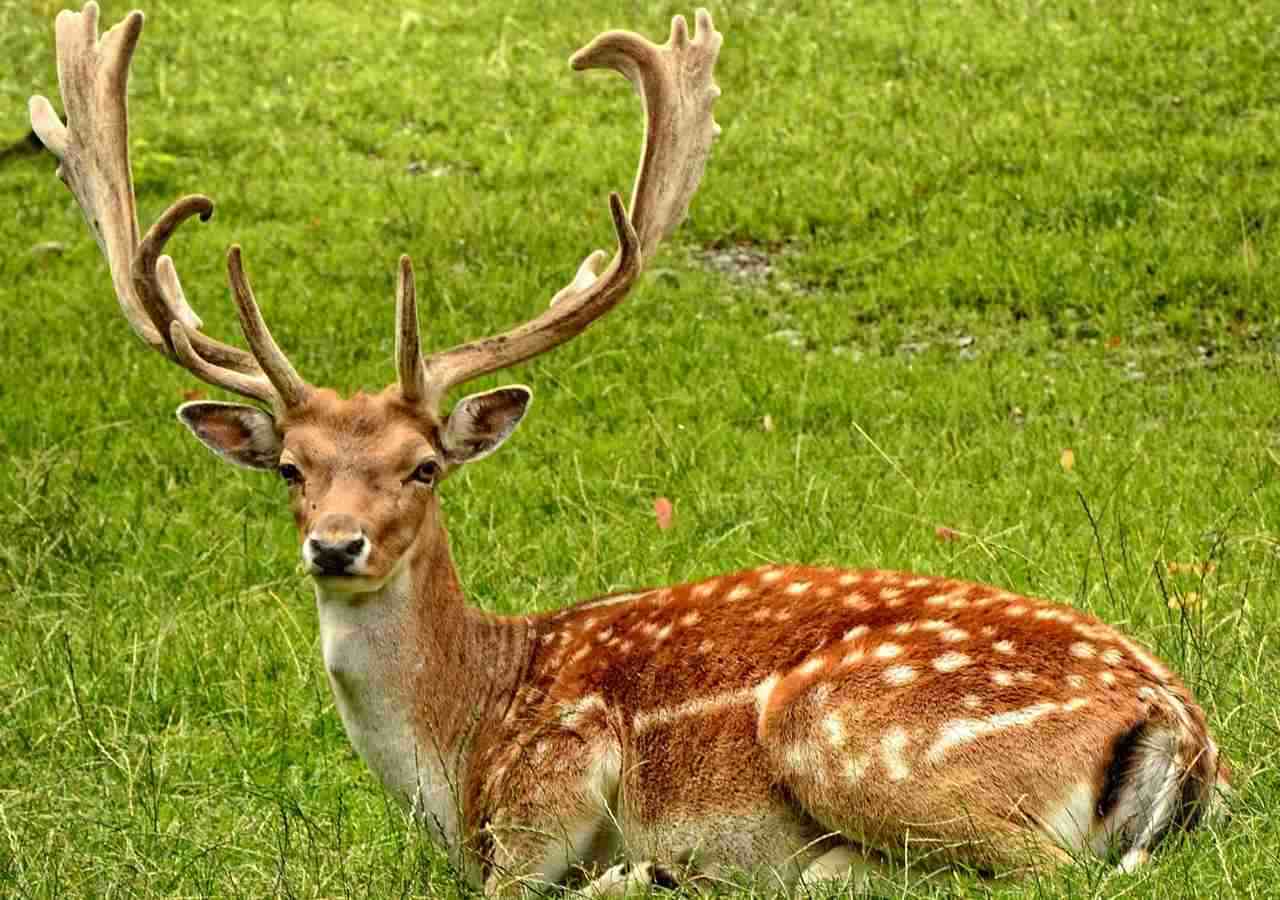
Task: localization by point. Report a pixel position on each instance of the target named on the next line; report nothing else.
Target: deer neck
(415, 674)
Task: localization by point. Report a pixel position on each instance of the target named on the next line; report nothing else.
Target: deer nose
(334, 557)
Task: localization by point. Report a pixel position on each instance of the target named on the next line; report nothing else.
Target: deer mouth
(348, 583)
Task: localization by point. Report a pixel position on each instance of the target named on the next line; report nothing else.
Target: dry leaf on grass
(945, 534)
(1067, 460)
(664, 513)
(1191, 568)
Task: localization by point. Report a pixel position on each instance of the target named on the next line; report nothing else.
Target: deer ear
(243, 435)
(481, 422)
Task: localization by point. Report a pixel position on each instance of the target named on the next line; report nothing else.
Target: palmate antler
(93, 160)
(675, 82)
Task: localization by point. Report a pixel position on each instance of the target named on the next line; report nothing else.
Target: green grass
(996, 229)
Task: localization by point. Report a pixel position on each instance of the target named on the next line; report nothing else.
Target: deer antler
(93, 160)
(676, 85)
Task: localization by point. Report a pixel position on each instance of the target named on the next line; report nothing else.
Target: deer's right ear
(244, 435)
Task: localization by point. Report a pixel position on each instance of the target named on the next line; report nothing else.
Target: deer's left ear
(481, 422)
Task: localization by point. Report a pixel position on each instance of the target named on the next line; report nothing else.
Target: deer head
(362, 471)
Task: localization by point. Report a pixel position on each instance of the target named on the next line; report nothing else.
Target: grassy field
(938, 245)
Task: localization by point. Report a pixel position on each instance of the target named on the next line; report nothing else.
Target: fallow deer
(788, 723)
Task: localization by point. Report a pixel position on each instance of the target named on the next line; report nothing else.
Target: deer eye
(426, 472)
(290, 473)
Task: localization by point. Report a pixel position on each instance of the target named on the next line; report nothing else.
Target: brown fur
(980, 803)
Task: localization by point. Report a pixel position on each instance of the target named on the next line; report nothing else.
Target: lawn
(938, 246)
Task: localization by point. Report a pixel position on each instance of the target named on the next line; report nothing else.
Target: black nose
(334, 558)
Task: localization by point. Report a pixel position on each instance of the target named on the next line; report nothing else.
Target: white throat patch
(371, 671)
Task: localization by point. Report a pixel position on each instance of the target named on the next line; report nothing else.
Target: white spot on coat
(892, 746)
(1083, 650)
(834, 728)
(897, 675)
(813, 666)
(949, 662)
(962, 731)
(857, 601)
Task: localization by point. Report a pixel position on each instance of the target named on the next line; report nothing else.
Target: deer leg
(527, 860)
(550, 805)
(847, 867)
(631, 878)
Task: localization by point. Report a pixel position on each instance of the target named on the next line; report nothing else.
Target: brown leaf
(664, 513)
(1067, 460)
(1113, 342)
(191, 394)
(945, 534)
(1192, 568)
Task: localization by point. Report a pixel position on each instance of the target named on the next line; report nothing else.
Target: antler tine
(162, 298)
(93, 160)
(676, 85)
(255, 387)
(413, 386)
(290, 387)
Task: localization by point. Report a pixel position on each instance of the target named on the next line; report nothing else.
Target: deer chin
(350, 584)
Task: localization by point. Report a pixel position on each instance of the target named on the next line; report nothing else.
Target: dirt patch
(745, 262)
